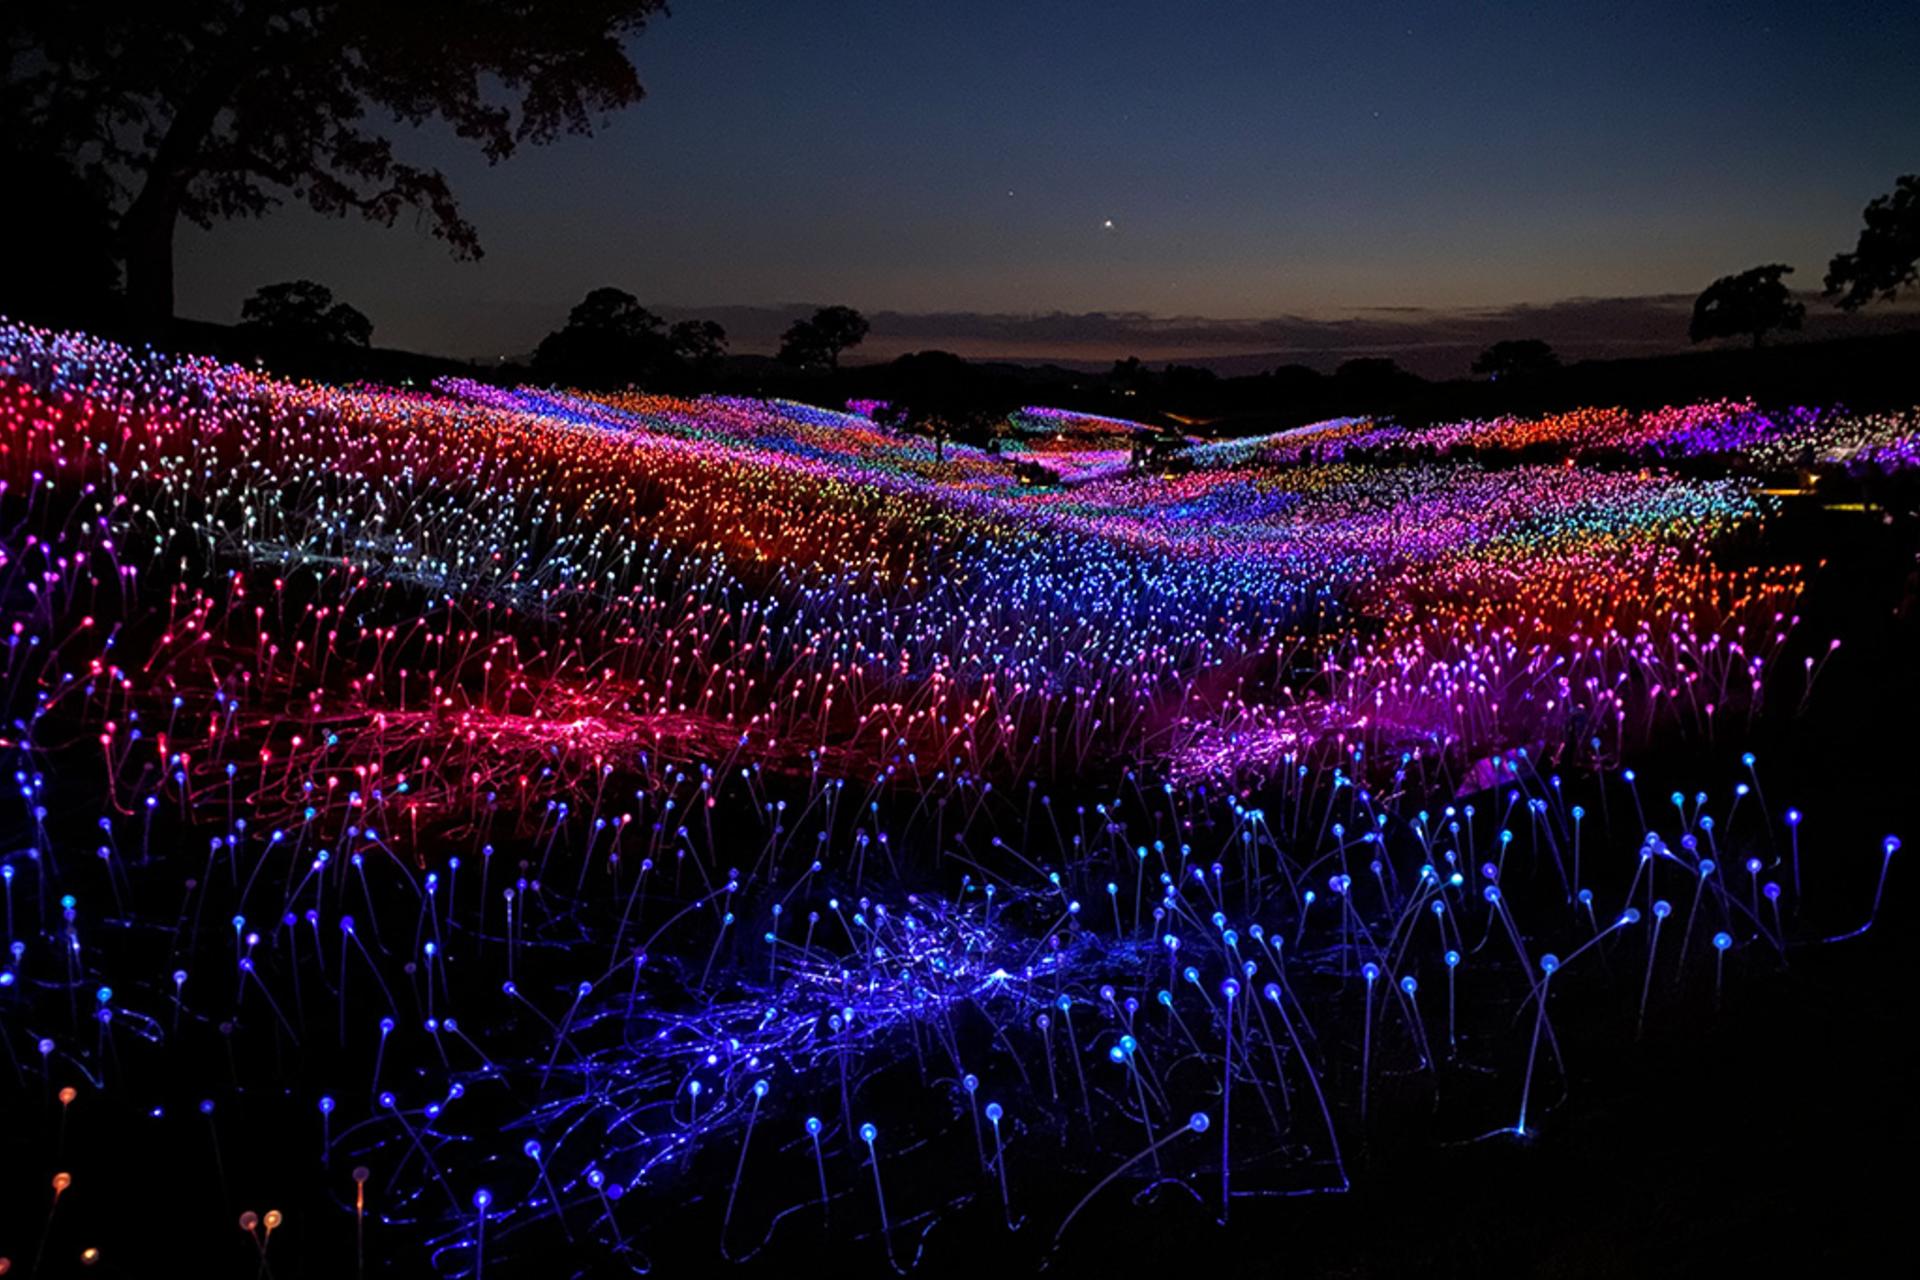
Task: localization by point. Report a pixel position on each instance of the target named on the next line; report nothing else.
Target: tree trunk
(146, 238)
(146, 229)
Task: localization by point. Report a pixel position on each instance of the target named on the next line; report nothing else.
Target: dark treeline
(1879, 372)
(1862, 373)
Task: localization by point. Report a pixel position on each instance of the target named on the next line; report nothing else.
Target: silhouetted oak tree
(939, 395)
(1756, 302)
(1887, 257)
(818, 342)
(1516, 358)
(698, 342)
(609, 340)
(211, 109)
(302, 311)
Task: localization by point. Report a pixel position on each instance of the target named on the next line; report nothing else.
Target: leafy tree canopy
(213, 109)
(1886, 259)
(1516, 358)
(818, 342)
(609, 340)
(1753, 303)
(698, 342)
(304, 311)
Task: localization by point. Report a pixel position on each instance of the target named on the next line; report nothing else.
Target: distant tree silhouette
(840, 329)
(60, 266)
(698, 342)
(932, 375)
(1887, 257)
(223, 108)
(940, 395)
(302, 311)
(1516, 358)
(1128, 374)
(609, 340)
(817, 342)
(1755, 302)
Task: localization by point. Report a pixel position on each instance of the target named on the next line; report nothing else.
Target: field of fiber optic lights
(484, 832)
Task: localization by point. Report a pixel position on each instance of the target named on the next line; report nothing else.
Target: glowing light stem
(1197, 1123)
(481, 1199)
(1274, 994)
(820, 1167)
(867, 1134)
(733, 1192)
(1229, 989)
(1371, 972)
(1660, 912)
(1548, 964)
(994, 1114)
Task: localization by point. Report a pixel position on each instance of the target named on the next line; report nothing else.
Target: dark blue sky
(1257, 159)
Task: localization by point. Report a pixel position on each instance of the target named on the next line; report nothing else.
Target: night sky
(960, 164)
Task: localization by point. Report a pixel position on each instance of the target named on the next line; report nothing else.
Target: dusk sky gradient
(1257, 160)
